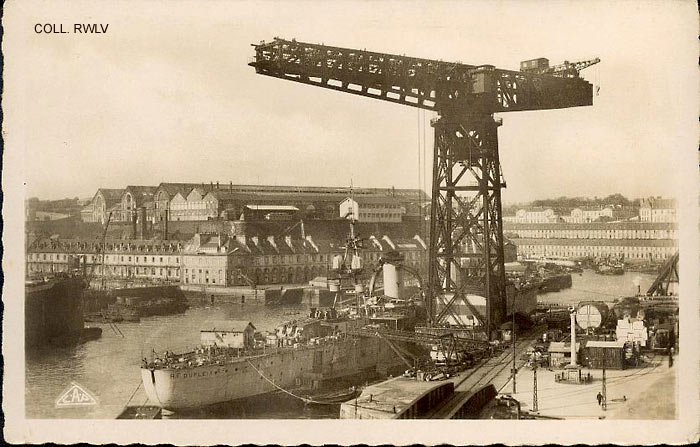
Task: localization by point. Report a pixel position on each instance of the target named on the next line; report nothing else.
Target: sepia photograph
(292, 222)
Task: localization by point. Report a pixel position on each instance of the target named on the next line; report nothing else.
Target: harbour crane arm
(570, 69)
(424, 83)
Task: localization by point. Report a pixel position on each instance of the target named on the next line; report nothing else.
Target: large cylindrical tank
(392, 280)
(591, 314)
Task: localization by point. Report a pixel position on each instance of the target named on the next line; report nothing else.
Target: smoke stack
(217, 185)
(230, 186)
(144, 224)
(165, 233)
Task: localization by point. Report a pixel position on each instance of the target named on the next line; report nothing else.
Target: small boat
(334, 397)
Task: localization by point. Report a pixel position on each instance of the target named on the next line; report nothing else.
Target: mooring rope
(134, 393)
(304, 399)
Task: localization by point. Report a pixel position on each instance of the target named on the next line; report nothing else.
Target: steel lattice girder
(424, 83)
(667, 276)
(466, 235)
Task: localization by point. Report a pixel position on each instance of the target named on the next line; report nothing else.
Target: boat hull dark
(53, 312)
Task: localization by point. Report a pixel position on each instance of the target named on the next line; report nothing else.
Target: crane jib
(423, 83)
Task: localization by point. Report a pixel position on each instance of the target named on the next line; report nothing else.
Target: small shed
(230, 333)
(560, 353)
(610, 354)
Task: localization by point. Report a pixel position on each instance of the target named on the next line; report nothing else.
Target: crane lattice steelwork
(466, 229)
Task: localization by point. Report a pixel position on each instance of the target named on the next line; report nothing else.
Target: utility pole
(534, 385)
(512, 311)
(605, 389)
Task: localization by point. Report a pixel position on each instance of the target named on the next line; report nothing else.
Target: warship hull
(176, 388)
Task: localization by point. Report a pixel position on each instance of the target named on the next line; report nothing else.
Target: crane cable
(420, 196)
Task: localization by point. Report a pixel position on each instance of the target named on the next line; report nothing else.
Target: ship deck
(219, 355)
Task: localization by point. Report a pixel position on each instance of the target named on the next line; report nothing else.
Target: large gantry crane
(466, 228)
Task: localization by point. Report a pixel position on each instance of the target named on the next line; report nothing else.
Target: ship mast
(349, 265)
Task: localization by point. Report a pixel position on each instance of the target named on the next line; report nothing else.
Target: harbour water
(108, 368)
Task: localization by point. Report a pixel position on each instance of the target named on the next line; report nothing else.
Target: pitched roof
(373, 199)
(272, 207)
(663, 204)
(140, 189)
(174, 188)
(111, 193)
(605, 344)
(560, 346)
(226, 326)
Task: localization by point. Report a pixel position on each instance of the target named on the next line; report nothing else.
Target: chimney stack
(167, 217)
(144, 224)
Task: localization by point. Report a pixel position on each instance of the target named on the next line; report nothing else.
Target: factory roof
(174, 188)
(561, 347)
(226, 326)
(110, 195)
(272, 207)
(372, 199)
(605, 344)
(658, 203)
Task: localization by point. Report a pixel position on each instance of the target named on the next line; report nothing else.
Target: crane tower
(466, 228)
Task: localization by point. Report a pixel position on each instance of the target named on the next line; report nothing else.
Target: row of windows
(379, 215)
(597, 234)
(173, 273)
(108, 258)
(197, 205)
(581, 251)
(380, 206)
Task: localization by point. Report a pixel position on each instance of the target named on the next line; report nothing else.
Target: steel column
(466, 237)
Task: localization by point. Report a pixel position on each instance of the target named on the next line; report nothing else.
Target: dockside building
(631, 240)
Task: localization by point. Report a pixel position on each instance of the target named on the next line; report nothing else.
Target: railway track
(483, 374)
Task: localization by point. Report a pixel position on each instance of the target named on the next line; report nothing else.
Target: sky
(166, 95)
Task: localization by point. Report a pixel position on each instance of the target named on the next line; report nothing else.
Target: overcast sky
(167, 95)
